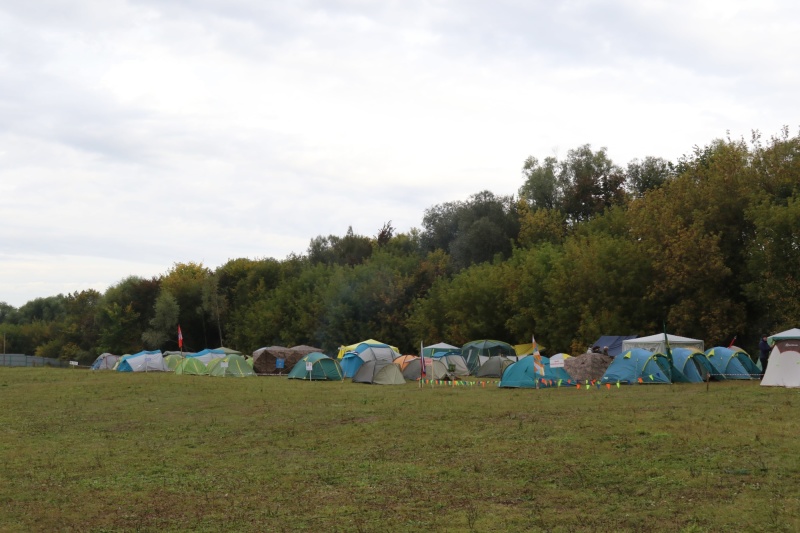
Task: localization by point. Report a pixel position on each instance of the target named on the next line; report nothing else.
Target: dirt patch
(587, 366)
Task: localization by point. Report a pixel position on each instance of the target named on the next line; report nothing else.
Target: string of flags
(448, 383)
(543, 383)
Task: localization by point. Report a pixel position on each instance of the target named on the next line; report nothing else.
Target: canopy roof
(789, 334)
(655, 343)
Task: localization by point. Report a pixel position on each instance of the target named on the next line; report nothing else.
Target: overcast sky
(137, 134)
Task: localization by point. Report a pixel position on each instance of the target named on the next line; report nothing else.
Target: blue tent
(637, 364)
(692, 364)
(522, 374)
(351, 362)
(732, 364)
(614, 343)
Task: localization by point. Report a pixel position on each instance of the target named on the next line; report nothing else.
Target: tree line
(708, 244)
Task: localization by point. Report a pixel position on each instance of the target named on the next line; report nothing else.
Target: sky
(138, 134)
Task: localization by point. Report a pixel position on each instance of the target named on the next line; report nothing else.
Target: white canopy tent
(656, 343)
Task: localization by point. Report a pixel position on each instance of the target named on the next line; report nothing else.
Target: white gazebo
(657, 344)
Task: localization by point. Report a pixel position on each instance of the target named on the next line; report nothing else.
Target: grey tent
(494, 367)
(455, 364)
(378, 367)
(105, 361)
(476, 353)
(434, 369)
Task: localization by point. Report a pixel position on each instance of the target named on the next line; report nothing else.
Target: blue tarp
(614, 343)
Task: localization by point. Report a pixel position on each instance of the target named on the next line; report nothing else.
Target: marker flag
(180, 337)
(538, 367)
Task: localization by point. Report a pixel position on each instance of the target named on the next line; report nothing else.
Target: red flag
(180, 337)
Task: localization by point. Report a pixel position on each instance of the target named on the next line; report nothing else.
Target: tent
(376, 367)
(476, 353)
(434, 368)
(494, 367)
(276, 359)
(732, 363)
(454, 363)
(322, 368)
(352, 361)
(191, 366)
(172, 360)
(144, 361)
(228, 351)
(440, 348)
(355, 347)
(403, 361)
(783, 369)
(522, 374)
(638, 364)
(614, 343)
(655, 343)
(692, 364)
(105, 361)
(234, 366)
(207, 355)
(790, 339)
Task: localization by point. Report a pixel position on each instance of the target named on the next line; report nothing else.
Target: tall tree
(163, 325)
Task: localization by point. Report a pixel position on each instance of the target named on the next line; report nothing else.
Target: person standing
(764, 349)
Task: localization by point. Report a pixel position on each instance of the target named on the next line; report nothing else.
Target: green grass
(89, 451)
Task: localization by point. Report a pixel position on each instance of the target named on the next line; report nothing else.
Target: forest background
(708, 244)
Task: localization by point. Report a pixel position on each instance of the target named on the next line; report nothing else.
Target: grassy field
(86, 451)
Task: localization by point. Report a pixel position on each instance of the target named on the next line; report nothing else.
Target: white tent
(143, 362)
(783, 369)
(788, 335)
(656, 344)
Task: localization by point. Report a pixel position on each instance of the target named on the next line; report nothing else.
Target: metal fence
(18, 359)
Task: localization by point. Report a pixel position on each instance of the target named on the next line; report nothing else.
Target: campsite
(106, 451)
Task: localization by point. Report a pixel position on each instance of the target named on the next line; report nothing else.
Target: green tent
(476, 353)
(191, 366)
(322, 368)
(172, 360)
(230, 366)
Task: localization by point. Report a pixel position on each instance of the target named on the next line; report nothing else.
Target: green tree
(163, 325)
(647, 174)
(542, 188)
(185, 282)
(471, 232)
(349, 250)
(591, 183)
(773, 257)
